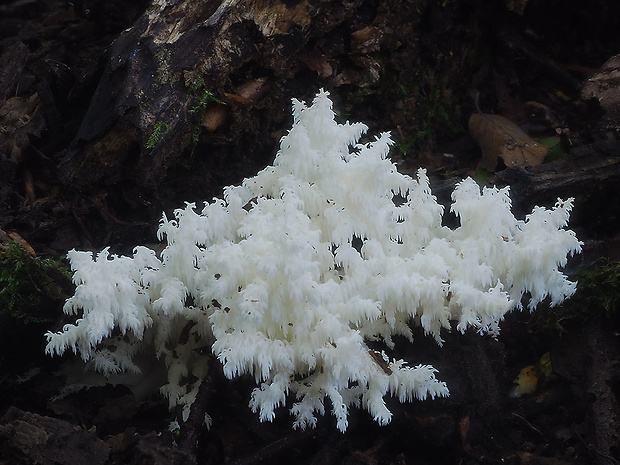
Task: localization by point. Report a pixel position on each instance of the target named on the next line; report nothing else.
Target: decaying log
(27, 438)
(173, 52)
(590, 175)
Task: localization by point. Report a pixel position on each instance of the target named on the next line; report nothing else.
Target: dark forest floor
(534, 75)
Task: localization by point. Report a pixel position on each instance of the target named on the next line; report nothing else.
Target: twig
(82, 226)
(529, 425)
(274, 448)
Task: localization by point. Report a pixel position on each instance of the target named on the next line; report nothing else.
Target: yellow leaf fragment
(544, 364)
(498, 137)
(525, 382)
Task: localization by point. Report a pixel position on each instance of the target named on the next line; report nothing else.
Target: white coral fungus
(289, 275)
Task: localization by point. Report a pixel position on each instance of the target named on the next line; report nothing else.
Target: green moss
(431, 114)
(481, 176)
(597, 295)
(160, 129)
(599, 289)
(27, 282)
(202, 96)
(556, 151)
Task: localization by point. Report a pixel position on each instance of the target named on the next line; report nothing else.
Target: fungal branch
(292, 273)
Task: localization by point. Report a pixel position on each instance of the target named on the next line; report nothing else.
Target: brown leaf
(14, 235)
(215, 115)
(250, 91)
(500, 137)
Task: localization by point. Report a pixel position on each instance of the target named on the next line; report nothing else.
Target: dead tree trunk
(167, 76)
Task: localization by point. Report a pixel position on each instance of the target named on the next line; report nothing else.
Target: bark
(590, 176)
(28, 438)
(175, 50)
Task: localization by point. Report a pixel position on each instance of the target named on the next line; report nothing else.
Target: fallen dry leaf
(215, 115)
(249, 92)
(14, 235)
(499, 137)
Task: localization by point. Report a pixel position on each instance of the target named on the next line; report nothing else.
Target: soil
(418, 69)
